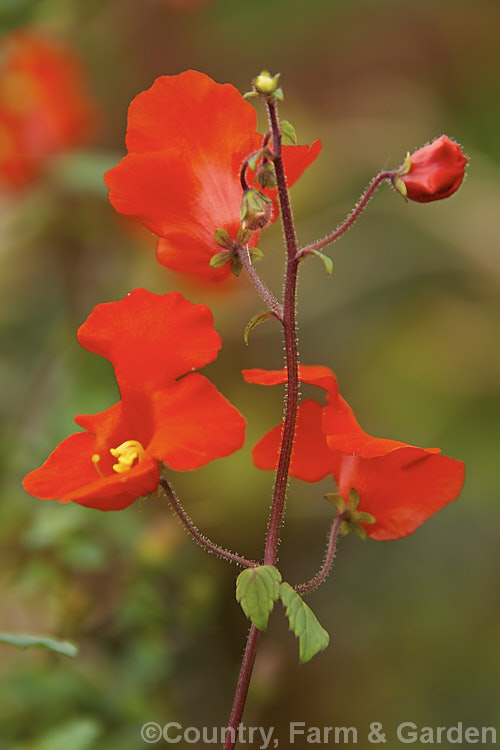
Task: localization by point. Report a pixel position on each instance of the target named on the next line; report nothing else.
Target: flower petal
(194, 424)
(151, 339)
(401, 489)
(190, 109)
(312, 460)
(318, 375)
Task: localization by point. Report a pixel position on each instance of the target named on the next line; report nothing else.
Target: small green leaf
(223, 238)
(250, 95)
(354, 500)
(303, 622)
(289, 137)
(256, 590)
(34, 641)
(255, 253)
(220, 259)
(327, 262)
(243, 236)
(337, 500)
(254, 322)
(278, 94)
(236, 266)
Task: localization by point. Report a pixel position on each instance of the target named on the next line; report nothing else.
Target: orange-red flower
(167, 412)
(187, 138)
(400, 485)
(433, 172)
(44, 105)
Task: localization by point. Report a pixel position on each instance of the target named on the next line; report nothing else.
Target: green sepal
(266, 176)
(34, 641)
(256, 590)
(279, 95)
(337, 500)
(263, 152)
(236, 266)
(288, 135)
(250, 95)
(220, 259)
(354, 500)
(223, 238)
(327, 262)
(255, 253)
(254, 322)
(243, 236)
(313, 638)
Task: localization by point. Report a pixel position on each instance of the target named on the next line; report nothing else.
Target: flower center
(127, 453)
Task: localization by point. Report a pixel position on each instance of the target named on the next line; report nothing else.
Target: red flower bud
(433, 172)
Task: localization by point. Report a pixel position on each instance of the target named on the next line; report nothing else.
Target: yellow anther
(127, 453)
(95, 460)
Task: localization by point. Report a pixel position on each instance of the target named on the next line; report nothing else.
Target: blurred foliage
(408, 320)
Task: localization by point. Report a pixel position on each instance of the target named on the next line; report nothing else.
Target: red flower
(187, 139)
(167, 412)
(400, 485)
(433, 172)
(44, 105)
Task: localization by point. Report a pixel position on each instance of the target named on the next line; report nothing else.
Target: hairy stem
(198, 536)
(242, 687)
(318, 579)
(292, 394)
(349, 221)
(259, 284)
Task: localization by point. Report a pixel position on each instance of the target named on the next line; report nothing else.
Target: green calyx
(255, 210)
(351, 516)
(265, 85)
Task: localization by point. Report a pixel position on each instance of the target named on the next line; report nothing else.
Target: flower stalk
(292, 395)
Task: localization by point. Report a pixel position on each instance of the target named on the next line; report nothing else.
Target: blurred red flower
(187, 138)
(45, 107)
(167, 412)
(435, 171)
(400, 485)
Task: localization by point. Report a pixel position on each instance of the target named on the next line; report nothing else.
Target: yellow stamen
(127, 453)
(95, 460)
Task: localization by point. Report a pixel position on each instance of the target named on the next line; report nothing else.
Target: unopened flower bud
(265, 83)
(255, 210)
(433, 172)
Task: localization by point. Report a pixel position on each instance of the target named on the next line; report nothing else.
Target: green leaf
(256, 590)
(243, 236)
(254, 322)
(34, 641)
(236, 266)
(312, 637)
(220, 259)
(255, 254)
(223, 238)
(327, 262)
(337, 500)
(288, 136)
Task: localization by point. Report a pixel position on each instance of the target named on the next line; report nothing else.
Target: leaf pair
(257, 589)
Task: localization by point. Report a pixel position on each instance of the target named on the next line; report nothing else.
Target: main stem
(292, 395)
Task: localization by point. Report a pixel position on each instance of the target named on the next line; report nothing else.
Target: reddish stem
(318, 579)
(292, 394)
(355, 213)
(242, 687)
(198, 536)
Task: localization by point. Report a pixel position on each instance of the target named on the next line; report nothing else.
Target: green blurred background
(410, 322)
